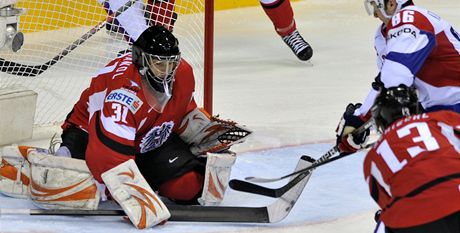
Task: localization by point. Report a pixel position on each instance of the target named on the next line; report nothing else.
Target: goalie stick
(32, 71)
(272, 213)
(244, 186)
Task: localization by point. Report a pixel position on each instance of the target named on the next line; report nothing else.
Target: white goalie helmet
(380, 5)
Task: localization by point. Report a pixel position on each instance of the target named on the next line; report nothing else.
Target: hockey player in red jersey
(282, 16)
(414, 47)
(139, 130)
(413, 170)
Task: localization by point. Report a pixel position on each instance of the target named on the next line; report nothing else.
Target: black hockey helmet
(156, 40)
(156, 54)
(394, 103)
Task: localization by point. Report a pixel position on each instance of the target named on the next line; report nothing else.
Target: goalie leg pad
(61, 183)
(129, 188)
(218, 169)
(14, 171)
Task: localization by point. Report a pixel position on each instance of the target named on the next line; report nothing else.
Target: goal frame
(208, 56)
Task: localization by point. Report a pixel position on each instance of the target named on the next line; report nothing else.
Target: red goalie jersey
(118, 119)
(413, 171)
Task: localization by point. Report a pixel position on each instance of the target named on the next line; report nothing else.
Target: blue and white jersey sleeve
(410, 40)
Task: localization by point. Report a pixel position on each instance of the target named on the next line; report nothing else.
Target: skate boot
(298, 45)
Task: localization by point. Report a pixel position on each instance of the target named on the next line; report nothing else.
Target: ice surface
(334, 191)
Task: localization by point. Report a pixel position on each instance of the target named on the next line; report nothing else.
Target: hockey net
(50, 26)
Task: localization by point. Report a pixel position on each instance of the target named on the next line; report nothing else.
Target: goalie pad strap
(129, 188)
(218, 169)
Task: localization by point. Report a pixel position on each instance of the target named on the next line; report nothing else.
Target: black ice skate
(298, 45)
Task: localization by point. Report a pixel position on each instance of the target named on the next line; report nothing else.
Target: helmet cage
(158, 77)
(160, 71)
(163, 68)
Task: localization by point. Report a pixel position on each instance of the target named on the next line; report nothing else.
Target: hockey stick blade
(14, 68)
(244, 186)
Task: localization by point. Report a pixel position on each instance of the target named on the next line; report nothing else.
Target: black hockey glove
(346, 142)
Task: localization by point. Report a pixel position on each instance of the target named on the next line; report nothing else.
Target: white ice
(293, 108)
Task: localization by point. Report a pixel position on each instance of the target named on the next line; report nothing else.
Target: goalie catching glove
(347, 142)
(210, 134)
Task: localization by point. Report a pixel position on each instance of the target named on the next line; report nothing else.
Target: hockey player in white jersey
(137, 18)
(131, 23)
(415, 47)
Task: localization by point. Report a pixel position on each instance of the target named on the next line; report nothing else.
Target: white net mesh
(49, 28)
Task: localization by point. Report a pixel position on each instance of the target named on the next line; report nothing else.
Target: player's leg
(15, 167)
(61, 183)
(130, 189)
(49, 181)
(178, 174)
(74, 142)
(131, 23)
(282, 16)
(161, 12)
(217, 174)
(173, 170)
(14, 171)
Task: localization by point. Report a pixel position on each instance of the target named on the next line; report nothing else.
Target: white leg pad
(61, 183)
(130, 189)
(218, 169)
(14, 172)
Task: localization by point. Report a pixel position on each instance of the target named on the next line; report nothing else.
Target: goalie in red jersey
(413, 171)
(138, 130)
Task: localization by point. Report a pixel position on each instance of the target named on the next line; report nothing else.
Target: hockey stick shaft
(32, 71)
(179, 213)
(244, 186)
(325, 159)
